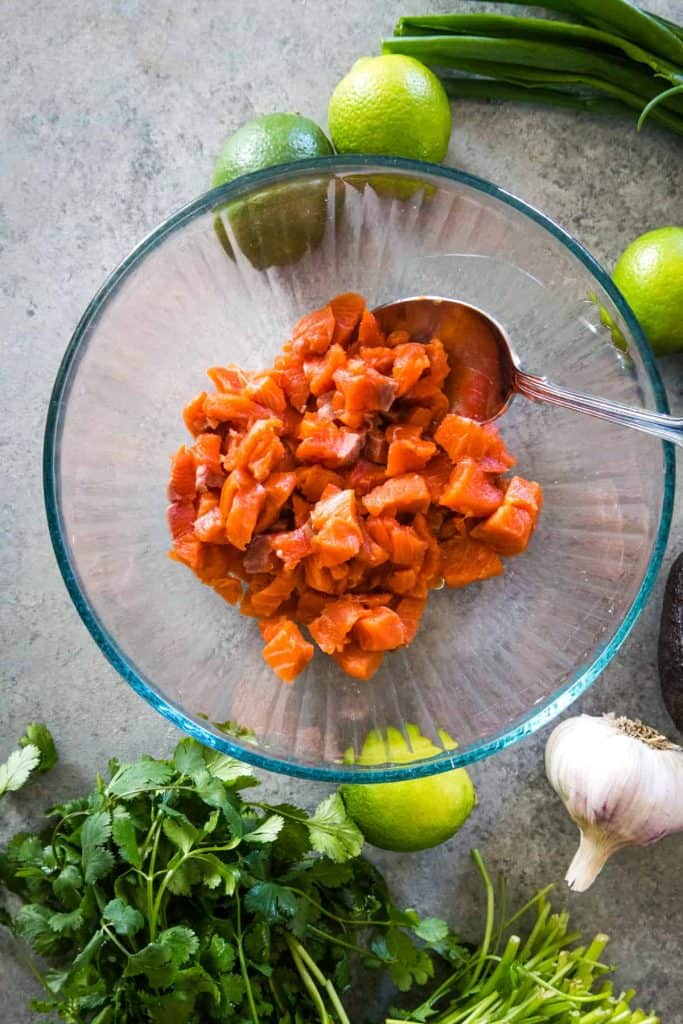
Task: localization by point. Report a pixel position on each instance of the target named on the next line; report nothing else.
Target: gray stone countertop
(112, 115)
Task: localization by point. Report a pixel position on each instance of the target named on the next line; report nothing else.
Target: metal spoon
(461, 326)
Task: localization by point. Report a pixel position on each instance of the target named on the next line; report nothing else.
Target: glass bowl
(223, 280)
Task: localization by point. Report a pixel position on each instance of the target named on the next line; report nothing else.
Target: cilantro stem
(308, 982)
(112, 937)
(490, 917)
(243, 962)
(151, 912)
(333, 938)
(350, 922)
(322, 980)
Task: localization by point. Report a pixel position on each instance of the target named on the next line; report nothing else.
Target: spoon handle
(668, 428)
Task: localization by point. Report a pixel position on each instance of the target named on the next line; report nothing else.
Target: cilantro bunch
(164, 896)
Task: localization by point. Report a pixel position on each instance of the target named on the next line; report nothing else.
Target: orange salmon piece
(313, 334)
(186, 546)
(465, 561)
(379, 629)
(310, 605)
(403, 581)
(379, 357)
(364, 476)
(228, 378)
(267, 599)
(312, 481)
(293, 546)
(330, 445)
(265, 390)
(194, 415)
(331, 628)
(436, 473)
(182, 482)
(508, 531)
(207, 454)
(320, 370)
(225, 407)
(411, 360)
(400, 494)
(337, 536)
(358, 663)
(410, 611)
(526, 494)
(409, 454)
(259, 451)
(364, 389)
(369, 332)
(287, 652)
(210, 527)
(278, 487)
(470, 492)
(247, 502)
(347, 310)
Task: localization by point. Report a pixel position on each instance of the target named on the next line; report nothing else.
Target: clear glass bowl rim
(477, 751)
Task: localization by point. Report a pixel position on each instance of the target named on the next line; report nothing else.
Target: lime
(412, 815)
(390, 105)
(649, 273)
(276, 226)
(267, 141)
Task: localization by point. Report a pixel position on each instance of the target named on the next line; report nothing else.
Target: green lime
(277, 226)
(649, 274)
(412, 815)
(267, 141)
(391, 105)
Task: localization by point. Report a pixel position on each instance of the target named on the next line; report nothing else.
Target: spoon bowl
(486, 372)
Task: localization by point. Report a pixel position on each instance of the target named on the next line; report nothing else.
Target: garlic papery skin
(621, 782)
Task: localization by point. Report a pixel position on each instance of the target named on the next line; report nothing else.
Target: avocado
(671, 644)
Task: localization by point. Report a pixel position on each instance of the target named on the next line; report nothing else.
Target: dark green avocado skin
(671, 644)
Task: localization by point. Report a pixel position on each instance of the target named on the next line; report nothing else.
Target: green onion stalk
(623, 60)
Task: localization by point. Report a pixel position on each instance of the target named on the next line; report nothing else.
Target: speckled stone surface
(112, 115)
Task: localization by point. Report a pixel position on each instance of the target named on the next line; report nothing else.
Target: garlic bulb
(622, 783)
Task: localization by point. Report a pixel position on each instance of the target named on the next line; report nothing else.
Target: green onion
(623, 59)
(623, 18)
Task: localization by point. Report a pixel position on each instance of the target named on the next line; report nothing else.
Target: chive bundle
(613, 58)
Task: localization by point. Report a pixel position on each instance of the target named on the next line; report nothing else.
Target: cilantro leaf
(272, 901)
(154, 961)
(95, 831)
(227, 769)
(332, 832)
(67, 922)
(96, 860)
(124, 835)
(267, 831)
(188, 759)
(407, 964)
(38, 735)
(67, 885)
(98, 864)
(14, 773)
(215, 871)
(33, 924)
(232, 988)
(431, 929)
(133, 779)
(181, 834)
(179, 942)
(222, 954)
(126, 920)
